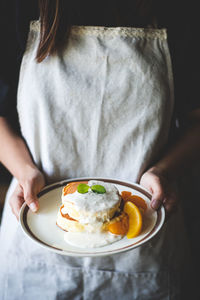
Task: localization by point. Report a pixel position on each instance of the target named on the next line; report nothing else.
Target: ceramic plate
(41, 226)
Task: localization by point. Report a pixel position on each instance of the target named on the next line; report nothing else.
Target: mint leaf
(100, 189)
(83, 188)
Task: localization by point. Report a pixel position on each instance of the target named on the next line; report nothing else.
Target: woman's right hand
(26, 191)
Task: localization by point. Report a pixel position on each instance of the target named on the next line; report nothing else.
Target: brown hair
(54, 27)
(55, 24)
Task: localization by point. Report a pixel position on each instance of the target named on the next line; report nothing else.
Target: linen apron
(102, 107)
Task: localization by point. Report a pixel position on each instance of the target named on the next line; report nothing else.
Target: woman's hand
(27, 190)
(179, 158)
(162, 189)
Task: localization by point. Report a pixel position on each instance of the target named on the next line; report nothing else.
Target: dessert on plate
(92, 214)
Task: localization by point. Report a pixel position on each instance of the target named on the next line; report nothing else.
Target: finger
(156, 203)
(157, 197)
(16, 202)
(155, 186)
(30, 198)
(17, 206)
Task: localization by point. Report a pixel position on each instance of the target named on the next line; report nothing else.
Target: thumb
(157, 197)
(30, 198)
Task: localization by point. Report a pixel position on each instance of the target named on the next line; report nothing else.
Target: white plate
(41, 226)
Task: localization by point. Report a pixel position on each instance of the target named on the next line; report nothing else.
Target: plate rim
(157, 227)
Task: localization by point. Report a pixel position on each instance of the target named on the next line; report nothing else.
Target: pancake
(90, 211)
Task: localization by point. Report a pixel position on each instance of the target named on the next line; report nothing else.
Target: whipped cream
(90, 240)
(94, 202)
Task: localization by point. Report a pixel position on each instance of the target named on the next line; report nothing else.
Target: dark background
(5, 178)
(5, 175)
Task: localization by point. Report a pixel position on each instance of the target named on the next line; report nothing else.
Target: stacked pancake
(88, 206)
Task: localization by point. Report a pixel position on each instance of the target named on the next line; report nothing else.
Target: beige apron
(103, 107)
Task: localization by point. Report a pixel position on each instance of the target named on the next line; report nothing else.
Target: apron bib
(102, 107)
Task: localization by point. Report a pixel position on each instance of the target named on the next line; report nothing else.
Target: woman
(98, 101)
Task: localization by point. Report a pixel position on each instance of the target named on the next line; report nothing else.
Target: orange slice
(135, 219)
(119, 225)
(126, 195)
(71, 187)
(138, 201)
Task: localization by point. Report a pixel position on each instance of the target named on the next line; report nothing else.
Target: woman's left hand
(163, 190)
